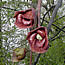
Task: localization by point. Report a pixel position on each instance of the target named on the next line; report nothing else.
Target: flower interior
(39, 37)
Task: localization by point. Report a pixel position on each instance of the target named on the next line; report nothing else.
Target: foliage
(12, 37)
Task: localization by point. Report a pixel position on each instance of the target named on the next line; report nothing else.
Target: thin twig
(9, 8)
(56, 33)
(45, 6)
(59, 18)
(55, 26)
(16, 9)
(57, 37)
(47, 13)
(36, 59)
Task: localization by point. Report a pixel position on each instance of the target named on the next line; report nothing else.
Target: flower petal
(40, 43)
(38, 46)
(24, 19)
(19, 17)
(32, 37)
(41, 32)
(25, 22)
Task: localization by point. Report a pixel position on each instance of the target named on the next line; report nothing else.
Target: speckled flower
(38, 40)
(25, 19)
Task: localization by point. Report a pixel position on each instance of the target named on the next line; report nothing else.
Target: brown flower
(38, 40)
(18, 54)
(25, 19)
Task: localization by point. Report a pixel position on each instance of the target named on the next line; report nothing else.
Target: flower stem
(30, 57)
(39, 9)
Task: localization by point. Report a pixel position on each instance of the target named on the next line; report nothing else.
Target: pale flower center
(39, 37)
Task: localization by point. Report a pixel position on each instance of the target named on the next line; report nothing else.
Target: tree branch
(59, 3)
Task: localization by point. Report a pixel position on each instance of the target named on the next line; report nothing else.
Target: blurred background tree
(12, 37)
